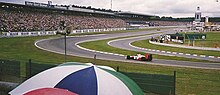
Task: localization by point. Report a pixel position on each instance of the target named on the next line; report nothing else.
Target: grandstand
(16, 17)
(33, 16)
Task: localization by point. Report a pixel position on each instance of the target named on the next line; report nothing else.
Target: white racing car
(145, 57)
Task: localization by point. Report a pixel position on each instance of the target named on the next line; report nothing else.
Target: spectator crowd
(35, 21)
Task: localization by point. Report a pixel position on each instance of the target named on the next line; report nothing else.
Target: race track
(56, 45)
(126, 44)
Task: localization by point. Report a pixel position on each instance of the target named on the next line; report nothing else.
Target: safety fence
(201, 83)
(16, 72)
(34, 68)
(10, 70)
(154, 83)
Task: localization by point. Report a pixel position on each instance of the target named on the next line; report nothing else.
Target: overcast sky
(174, 8)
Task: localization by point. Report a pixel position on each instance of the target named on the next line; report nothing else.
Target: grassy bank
(212, 40)
(189, 81)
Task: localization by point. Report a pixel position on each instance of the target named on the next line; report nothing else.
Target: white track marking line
(115, 54)
(211, 56)
(110, 53)
(121, 55)
(146, 49)
(181, 53)
(202, 56)
(187, 54)
(157, 50)
(195, 55)
(174, 52)
(163, 51)
(101, 52)
(98, 51)
(168, 52)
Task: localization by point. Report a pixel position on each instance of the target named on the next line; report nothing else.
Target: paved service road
(57, 46)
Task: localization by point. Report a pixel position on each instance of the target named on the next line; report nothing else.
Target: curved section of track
(126, 44)
(57, 46)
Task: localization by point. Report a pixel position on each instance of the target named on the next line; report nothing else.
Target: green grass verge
(189, 81)
(212, 40)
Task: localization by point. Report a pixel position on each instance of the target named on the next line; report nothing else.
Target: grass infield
(212, 40)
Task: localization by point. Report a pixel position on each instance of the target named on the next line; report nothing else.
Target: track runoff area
(55, 45)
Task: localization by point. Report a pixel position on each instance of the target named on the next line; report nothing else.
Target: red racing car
(145, 57)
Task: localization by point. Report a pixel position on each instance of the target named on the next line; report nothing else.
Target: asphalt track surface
(56, 45)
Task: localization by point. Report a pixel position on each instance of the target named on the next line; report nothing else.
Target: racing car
(145, 57)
